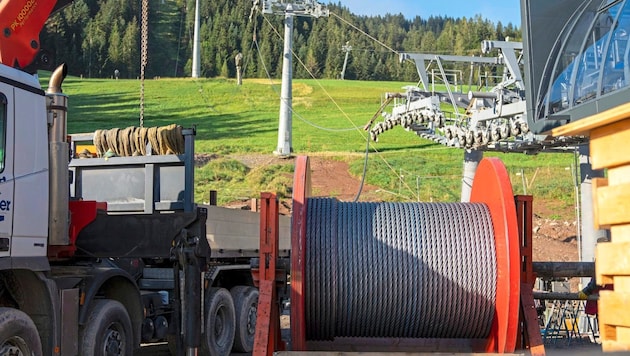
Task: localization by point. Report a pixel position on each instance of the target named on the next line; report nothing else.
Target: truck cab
(24, 173)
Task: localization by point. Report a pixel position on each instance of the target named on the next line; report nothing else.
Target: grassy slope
(232, 120)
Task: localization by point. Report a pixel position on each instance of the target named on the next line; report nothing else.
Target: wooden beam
(585, 126)
(607, 143)
(530, 318)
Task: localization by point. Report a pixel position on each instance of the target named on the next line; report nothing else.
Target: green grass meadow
(328, 119)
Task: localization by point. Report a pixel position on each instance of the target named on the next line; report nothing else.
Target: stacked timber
(609, 133)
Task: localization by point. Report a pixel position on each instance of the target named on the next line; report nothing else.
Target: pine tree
(94, 36)
(130, 55)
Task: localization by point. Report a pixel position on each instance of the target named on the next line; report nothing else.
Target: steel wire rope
(456, 269)
(386, 47)
(362, 214)
(379, 253)
(398, 253)
(417, 269)
(364, 33)
(417, 266)
(491, 248)
(452, 230)
(466, 258)
(367, 137)
(480, 223)
(344, 306)
(321, 306)
(446, 295)
(391, 252)
(311, 277)
(357, 270)
(317, 279)
(331, 314)
(355, 127)
(334, 266)
(465, 273)
(324, 269)
(308, 293)
(427, 270)
(411, 256)
(366, 284)
(247, 59)
(251, 47)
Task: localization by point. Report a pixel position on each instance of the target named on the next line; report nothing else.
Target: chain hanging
(143, 56)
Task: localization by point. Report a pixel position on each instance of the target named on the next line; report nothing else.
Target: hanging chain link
(143, 56)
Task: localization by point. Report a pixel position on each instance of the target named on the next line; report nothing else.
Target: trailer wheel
(18, 334)
(108, 330)
(246, 306)
(220, 325)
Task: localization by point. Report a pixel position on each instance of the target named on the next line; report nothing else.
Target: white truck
(98, 255)
(90, 261)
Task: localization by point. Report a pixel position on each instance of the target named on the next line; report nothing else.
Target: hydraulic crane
(21, 22)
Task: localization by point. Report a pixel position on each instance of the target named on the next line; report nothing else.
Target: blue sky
(494, 10)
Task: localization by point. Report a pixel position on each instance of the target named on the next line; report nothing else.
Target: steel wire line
(446, 249)
(355, 127)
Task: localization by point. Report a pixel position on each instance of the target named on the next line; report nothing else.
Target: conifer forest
(96, 37)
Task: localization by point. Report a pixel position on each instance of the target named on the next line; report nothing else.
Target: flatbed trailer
(151, 189)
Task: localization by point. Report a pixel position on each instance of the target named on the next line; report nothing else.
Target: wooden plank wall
(609, 137)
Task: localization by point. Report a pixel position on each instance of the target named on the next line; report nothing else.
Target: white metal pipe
(196, 60)
(285, 145)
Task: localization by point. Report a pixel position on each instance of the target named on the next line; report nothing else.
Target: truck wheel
(246, 306)
(108, 330)
(220, 325)
(18, 334)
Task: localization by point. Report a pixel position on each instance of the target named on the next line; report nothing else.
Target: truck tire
(18, 334)
(218, 335)
(246, 306)
(108, 330)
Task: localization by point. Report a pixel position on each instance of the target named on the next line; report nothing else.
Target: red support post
(301, 193)
(524, 211)
(267, 338)
(529, 333)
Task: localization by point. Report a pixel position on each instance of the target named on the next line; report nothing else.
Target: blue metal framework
(586, 70)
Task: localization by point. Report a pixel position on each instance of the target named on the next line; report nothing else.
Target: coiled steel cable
(409, 270)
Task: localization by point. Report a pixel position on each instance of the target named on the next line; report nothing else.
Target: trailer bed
(236, 233)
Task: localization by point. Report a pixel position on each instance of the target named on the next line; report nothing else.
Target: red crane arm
(20, 24)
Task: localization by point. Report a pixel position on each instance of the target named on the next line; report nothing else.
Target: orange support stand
(531, 330)
(267, 338)
(301, 192)
(529, 333)
(492, 187)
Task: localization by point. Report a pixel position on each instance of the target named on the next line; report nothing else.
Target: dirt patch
(201, 159)
(332, 178)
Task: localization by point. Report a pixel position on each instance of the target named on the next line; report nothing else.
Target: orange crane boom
(21, 21)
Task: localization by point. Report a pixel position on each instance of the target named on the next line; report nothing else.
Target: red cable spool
(491, 187)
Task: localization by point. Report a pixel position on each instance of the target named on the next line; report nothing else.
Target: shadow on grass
(114, 109)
